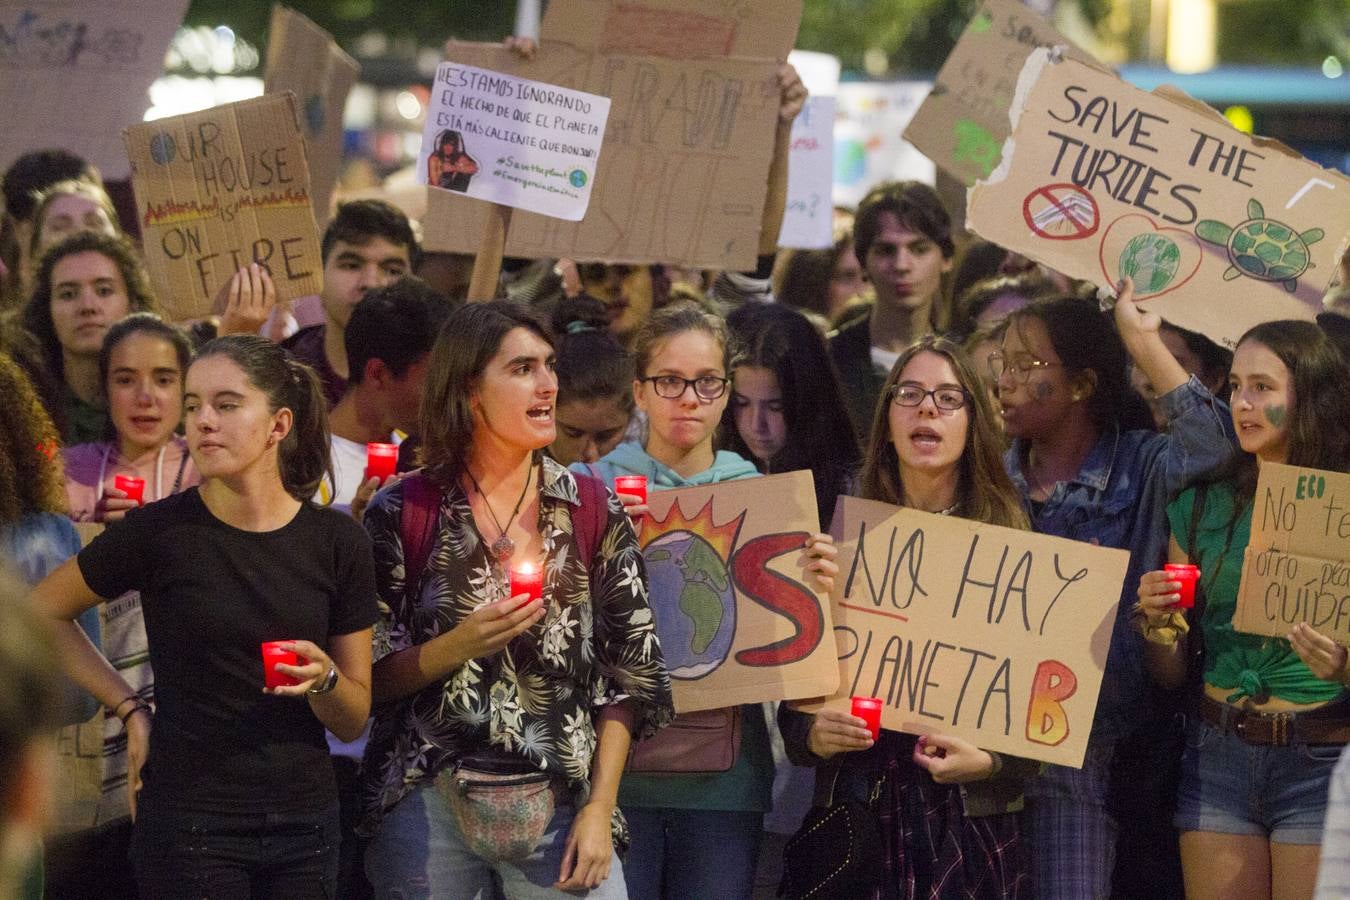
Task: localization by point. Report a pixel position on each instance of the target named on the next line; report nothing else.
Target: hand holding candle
(272, 654)
(132, 486)
(869, 710)
(381, 461)
(1186, 575)
(632, 486)
(527, 578)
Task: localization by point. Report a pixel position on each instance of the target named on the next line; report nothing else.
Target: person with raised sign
(902, 235)
(947, 810)
(694, 834)
(505, 715)
(1272, 715)
(229, 780)
(1089, 465)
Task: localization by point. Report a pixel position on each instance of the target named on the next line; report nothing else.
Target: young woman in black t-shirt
(232, 789)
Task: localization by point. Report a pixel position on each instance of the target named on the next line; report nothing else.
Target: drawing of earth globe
(696, 609)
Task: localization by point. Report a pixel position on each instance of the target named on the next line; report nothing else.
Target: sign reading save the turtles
(739, 621)
(1219, 230)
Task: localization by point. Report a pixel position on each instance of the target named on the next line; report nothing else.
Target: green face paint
(1275, 415)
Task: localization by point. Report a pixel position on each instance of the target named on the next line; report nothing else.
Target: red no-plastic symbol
(1067, 206)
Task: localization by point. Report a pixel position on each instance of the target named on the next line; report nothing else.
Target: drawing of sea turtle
(1262, 248)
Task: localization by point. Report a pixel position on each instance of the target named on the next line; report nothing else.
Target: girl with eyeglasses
(1090, 467)
(694, 835)
(947, 808)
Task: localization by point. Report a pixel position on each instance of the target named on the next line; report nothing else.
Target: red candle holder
(527, 578)
(632, 484)
(1186, 574)
(381, 461)
(272, 653)
(869, 710)
(133, 486)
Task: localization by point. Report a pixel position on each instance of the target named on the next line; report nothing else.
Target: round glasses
(1019, 368)
(910, 394)
(672, 387)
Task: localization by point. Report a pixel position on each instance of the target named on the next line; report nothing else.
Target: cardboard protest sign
(962, 124)
(218, 189)
(995, 635)
(513, 141)
(74, 73)
(737, 619)
(304, 59)
(684, 172)
(867, 141)
(1219, 230)
(1297, 564)
(808, 218)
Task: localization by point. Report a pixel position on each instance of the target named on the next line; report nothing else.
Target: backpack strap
(417, 525)
(588, 520)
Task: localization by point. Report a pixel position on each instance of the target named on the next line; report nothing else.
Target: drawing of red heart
(1130, 231)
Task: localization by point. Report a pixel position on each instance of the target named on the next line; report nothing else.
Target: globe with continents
(693, 601)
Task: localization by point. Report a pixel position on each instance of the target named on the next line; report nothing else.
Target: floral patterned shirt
(537, 699)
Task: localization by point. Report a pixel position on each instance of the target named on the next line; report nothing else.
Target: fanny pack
(501, 805)
(696, 743)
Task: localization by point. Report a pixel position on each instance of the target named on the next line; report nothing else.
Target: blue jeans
(179, 853)
(692, 854)
(418, 854)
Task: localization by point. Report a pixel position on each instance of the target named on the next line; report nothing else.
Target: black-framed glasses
(948, 398)
(1019, 368)
(672, 387)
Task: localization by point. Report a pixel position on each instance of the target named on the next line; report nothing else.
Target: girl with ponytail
(230, 784)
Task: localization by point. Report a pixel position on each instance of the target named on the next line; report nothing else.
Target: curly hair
(31, 479)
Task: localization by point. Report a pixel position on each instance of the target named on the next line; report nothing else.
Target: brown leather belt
(1328, 724)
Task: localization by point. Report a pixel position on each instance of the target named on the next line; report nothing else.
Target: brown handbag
(695, 743)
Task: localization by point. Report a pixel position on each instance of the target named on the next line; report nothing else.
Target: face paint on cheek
(1042, 391)
(1275, 415)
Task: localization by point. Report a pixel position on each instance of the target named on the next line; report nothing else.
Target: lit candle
(272, 653)
(381, 461)
(869, 710)
(134, 487)
(527, 578)
(632, 484)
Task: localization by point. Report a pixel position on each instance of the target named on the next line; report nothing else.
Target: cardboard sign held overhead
(218, 189)
(808, 218)
(683, 176)
(995, 635)
(962, 124)
(1297, 564)
(1219, 230)
(74, 73)
(738, 622)
(304, 59)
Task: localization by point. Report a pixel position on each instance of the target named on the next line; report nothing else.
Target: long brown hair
(985, 493)
(30, 467)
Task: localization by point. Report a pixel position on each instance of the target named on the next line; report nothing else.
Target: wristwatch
(329, 682)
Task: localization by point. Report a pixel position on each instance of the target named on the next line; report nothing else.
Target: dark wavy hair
(819, 435)
(467, 342)
(304, 456)
(985, 492)
(31, 479)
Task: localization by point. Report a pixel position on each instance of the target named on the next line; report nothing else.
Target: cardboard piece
(304, 59)
(808, 217)
(513, 141)
(962, 124)
(1297, 564)
(737, 621)
(868, 148)
(74, 73)
(995, 635)
(88, 531)
(694, 92)
(218, 189)
(1219, 230)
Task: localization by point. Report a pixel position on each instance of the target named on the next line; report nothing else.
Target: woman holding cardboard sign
(1271, 715)
(945, 808)
(697, 820)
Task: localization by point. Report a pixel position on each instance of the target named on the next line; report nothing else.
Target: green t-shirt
(85, 422)
(1248, 664)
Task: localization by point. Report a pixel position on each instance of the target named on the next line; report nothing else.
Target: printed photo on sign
(738, 622)
(991, 634)
(513, 141)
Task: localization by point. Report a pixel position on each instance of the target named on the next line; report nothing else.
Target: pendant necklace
(503, 546)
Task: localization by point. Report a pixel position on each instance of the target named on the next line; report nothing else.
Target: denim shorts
(1231, 787)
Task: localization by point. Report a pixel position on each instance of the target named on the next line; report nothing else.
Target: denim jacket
(1119, 499)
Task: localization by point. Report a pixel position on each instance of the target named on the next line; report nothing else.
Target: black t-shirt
(211, 595)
